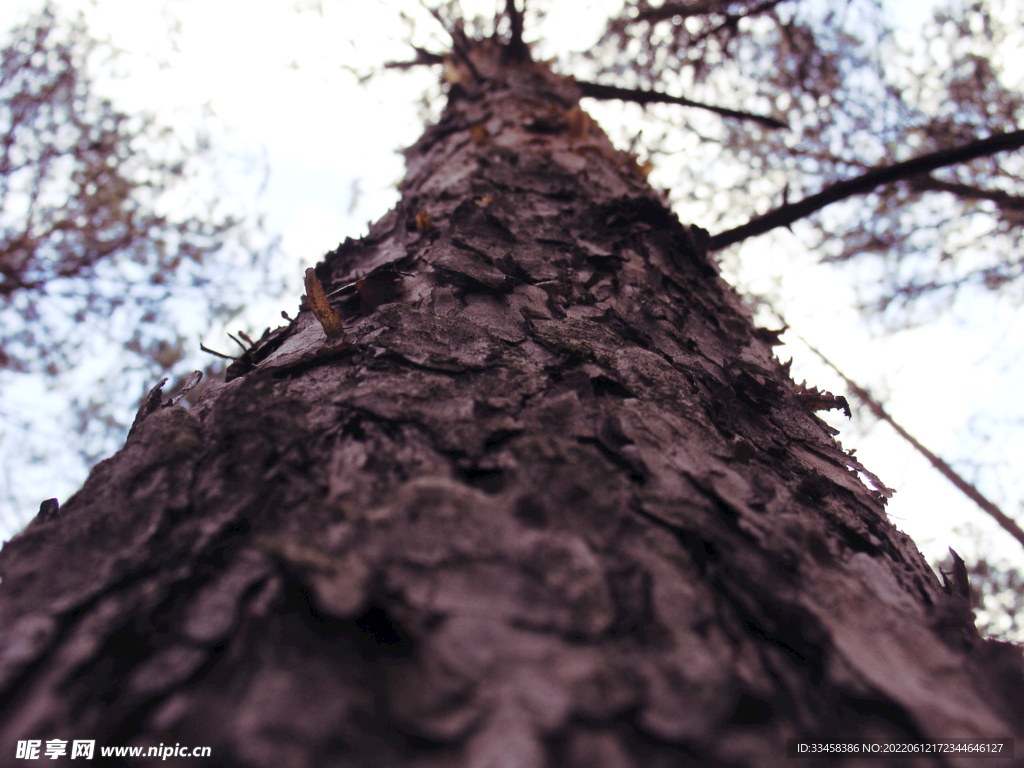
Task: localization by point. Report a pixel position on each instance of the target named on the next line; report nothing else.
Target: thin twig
(215, 352)
(239, 343)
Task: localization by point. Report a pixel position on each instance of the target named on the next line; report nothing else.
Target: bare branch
(732, 20)
(645, 96)
(517, 49)
(423, 57)
(672, 10)
(785, 215)
(1003, 200)
(215, 352)
(969, 490)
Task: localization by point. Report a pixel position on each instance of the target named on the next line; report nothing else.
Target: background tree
(95, 252)
(853, 99)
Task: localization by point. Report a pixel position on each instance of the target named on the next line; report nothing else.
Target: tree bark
(549, 501)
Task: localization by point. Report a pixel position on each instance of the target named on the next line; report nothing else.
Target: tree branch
(732, 20)
(459, 42)
(1003, 200)
(671, 10)
(517, 49)
(423, 56)
(1008, 524)
(786, 214)
(644, 96)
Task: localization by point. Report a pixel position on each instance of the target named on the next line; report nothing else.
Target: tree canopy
(97, 257)
(79, 188)
(854, 98)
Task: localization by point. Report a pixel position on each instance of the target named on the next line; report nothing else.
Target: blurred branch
(423, 57)
(645, 96)
(517, 49)
(785, 215)
(950, 474)
(699, 8)
(1003, 200)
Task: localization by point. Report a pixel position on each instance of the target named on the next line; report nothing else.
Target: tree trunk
(549, 501)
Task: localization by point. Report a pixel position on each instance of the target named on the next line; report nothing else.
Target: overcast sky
(285, 83)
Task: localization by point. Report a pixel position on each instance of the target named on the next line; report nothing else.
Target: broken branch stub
(322, 309)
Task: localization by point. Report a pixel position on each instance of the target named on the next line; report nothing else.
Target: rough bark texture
(551, 501)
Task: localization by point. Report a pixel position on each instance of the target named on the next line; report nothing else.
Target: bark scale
(551, 501)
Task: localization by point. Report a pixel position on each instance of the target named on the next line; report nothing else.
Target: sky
(284, 84)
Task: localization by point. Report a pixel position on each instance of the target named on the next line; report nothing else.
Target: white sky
(323, 133)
